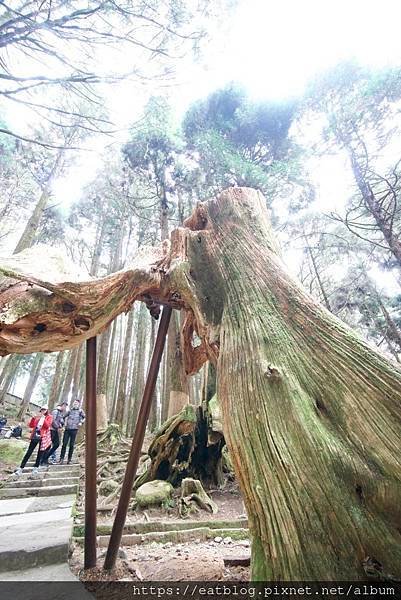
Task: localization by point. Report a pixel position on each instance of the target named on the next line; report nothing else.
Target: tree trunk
(122, 383)
(110, 367)
(8, 376)
(69, 374)
(29, 234)
(153, 411)
(305, 406)
(380, 216)
(32, 381)
(56, 381)
(178, 381)
(167, 376)
(101, 395)
(176, 389)
(117, 368)
(3, 365)
(317, 275)
(76, 378)
(312, 415)
(97, 251)
(4, 369)
(393, 333)
(138, 370)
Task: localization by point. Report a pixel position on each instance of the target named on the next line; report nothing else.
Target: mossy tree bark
(312, 415)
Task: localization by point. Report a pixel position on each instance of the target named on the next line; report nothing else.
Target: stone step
(56, 467)
(52, 574)
(175, 537)
(21, 492)
(157, 526)
(41, 482)
(44, 475)
(73, 463)
(37, 538)
(15, 506)
(53, 470)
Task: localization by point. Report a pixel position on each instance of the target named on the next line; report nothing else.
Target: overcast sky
(271, 47)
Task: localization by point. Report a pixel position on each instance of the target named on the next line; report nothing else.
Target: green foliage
(153, 144)
(261, 128)
(151, 155)
(354, 100)
(12, 451)
(240, 142)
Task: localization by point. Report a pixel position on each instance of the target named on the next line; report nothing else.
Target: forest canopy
(347, 256)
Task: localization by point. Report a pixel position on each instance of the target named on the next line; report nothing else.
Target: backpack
(16, 432)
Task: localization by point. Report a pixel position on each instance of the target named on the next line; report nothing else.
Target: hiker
(58, 415)
(40, 437)
(73, 421)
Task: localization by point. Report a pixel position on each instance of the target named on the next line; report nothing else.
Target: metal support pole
(90, 455)
(137, 441)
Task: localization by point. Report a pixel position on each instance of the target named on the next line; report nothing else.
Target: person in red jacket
(40, 437)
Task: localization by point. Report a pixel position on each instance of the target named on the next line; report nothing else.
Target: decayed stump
(312, 415)
(183, 448)
(193, 496)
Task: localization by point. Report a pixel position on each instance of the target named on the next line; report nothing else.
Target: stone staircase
(55, 480)
(36, 521)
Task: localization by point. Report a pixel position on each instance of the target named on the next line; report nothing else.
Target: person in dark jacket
(73, 421)
(40, 436)
(58, 415)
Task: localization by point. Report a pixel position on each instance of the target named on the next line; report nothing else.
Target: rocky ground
(195, 559)
(192, 561)
(201, 560)
(228, 501)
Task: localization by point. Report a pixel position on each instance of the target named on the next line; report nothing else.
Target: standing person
(58, 415)
(40, 436)
(73, 421)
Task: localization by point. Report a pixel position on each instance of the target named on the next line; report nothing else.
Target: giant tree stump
(183, 448)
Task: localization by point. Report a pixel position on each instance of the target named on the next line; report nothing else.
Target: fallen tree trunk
(312, 415)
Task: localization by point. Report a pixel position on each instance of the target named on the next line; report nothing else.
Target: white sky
(272, 47)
